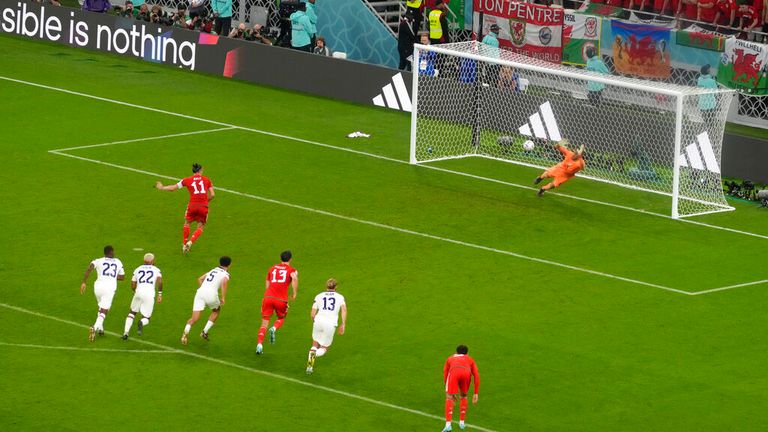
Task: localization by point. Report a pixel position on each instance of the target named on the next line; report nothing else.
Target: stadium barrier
(338, 79)
(284, 68)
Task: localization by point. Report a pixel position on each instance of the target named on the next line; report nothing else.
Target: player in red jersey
(200, 194)
(279, 277)
(458, 372)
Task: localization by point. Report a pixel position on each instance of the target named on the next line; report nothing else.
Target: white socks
(128, 323)
(187, 328)
(321, 351)
(144, 321)
(208, 326)
(99, 325)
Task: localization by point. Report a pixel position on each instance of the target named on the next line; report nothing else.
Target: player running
(325, 315)
(565, 170)
(145, 279)
(208, 296)
(200, 194)
(275, 299)
(459, 370)
(109, 270)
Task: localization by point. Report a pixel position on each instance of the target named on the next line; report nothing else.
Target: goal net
(470, 99)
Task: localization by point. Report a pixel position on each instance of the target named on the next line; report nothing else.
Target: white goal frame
(680, 94)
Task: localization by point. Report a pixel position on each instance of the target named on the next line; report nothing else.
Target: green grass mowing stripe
(226, 126)
(71, 348)
(245, 368)
(393, 228)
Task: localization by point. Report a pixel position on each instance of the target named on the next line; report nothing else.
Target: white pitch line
(729, 287)
(145, 139)
(70, 348)
(372, 155)
(250, 369)
(391, 228)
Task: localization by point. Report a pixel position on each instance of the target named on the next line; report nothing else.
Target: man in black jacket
(405, 40)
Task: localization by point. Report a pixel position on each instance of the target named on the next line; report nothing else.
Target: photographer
(179, 19)
(197, 8)
(238, 32)
(128, 10)
(255, 35)
(143, 14)
(157, 15)
(320, 47)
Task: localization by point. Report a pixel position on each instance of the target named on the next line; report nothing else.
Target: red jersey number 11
(202, 187)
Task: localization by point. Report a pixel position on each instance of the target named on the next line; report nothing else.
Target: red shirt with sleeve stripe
(198, 186)
(465, 362)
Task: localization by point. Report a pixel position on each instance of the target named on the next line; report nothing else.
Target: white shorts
(104, 294)
(144, 303)
(205, 298)
(322, 332)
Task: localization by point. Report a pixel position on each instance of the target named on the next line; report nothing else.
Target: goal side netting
(472, 99)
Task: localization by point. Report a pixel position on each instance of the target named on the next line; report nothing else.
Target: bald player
(146, 280)
(572, 163)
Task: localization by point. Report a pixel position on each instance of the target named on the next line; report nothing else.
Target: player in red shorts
(275, 301)
(200, 194)
(458, 372)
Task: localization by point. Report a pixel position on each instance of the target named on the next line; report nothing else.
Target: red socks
(278, 323)
(196, 234)
(449, 409)
(186, 233)
(462, 408)
(262, 333)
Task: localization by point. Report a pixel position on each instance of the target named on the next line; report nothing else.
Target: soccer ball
(528, 145)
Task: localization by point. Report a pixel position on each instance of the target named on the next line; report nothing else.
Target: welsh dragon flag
(743, 66)
(579, 33)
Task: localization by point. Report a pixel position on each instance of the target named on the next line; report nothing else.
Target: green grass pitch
(576, 311)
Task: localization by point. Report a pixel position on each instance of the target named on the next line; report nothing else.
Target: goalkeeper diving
(572, 163)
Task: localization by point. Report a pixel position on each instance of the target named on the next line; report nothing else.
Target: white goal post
(471, 99)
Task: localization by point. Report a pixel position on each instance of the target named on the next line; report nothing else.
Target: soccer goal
(470, 99)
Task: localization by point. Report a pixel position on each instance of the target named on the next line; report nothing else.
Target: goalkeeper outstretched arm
(572, 163)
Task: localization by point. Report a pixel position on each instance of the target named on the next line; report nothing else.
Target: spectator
(689, 10)
(749, 18)
(238, 32)
(707, 11)
(427, 59)
(143, 14)
(302, 29)
(255, 35)
(726, 13)
(312, 14)
(438, 24)
(492, 38)
(405, 40)
(128, 10)
(707, 102)
(99, 6)
(197, 8)
(595, 64)
(222, 10)
(320, 47)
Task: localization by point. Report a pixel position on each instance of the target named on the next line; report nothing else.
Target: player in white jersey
(208, 296)
(146, 278)
(325, 314)
(109, 270)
